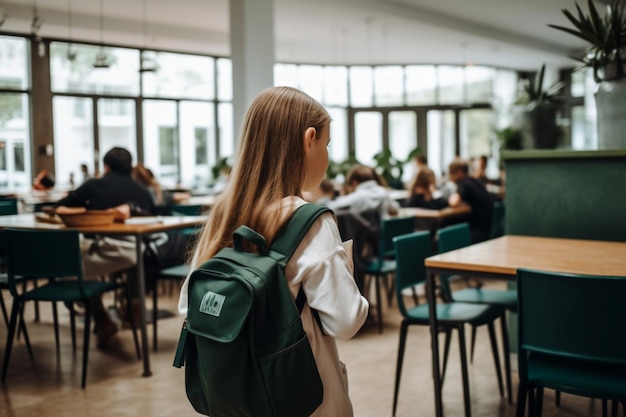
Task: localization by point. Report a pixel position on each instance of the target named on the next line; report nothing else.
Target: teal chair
(7, 206)
(57, 259)
(497, 220)
(384, 264)
(569, 342)
(458, 236)
(187, 210)
(175, 273)
(411, 250)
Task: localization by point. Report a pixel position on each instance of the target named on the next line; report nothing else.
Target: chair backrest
(453, 237)
(43, 254)
(8, 206)
(411, 250)
(390, 228)
(497, 220)
(450, 238)
(571, 316)
(186, 209)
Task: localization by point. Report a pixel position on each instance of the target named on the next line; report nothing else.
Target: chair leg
(379, 304)
(4, 310)
(496, 356)
(557, 398)
(391, 289)
(155, 313)
(614, 406)
(446, 351)
(473, 344)
(11, 333)
(532, 401)
(37, 316)
(55, 318)
(539, 403)
(464, 372)
(506, 352)
(522, 393)
(129, 312)
(86, 335)
(26, 338)
(401, 345)
(73, 325)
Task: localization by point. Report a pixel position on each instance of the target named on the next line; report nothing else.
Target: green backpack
(243, 346)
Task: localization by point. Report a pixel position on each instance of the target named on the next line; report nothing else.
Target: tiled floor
(51, 386)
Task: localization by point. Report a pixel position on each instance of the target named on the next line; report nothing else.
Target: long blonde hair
(269, 166)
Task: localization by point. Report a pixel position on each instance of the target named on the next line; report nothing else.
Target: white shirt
(368, 195)
(324, 268)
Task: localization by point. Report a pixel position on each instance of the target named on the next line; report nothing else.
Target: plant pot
(539, 128)
(611, 114)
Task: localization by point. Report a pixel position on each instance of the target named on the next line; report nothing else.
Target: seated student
(102, 255)
(474, 193)
(363, 192)
(160, 197)
(422, 191)
(43, 181)
(480, 171)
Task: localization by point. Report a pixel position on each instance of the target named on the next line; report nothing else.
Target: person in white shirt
(283, 152)
(364, 192)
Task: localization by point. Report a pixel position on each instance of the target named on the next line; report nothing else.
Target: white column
(252, 53)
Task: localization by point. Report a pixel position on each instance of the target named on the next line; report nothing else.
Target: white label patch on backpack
(212, 303)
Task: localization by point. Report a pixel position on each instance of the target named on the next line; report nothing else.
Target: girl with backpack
(283, 152)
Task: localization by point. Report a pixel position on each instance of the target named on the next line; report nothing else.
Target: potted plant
(538, 125)
(339, 170)
(391, 169)
(605, 55)
(510, 138)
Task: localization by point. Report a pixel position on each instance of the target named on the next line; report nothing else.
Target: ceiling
(506, 33)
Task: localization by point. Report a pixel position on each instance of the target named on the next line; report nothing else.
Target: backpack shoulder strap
(294, 230)
(290, 236)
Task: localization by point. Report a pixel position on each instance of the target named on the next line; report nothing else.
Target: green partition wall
(568, 194)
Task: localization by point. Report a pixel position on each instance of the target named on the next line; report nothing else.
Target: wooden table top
(506, 254)
(160, 224)
(423, 213)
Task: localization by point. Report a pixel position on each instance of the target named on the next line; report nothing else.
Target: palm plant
(606, 36)
(535, 94)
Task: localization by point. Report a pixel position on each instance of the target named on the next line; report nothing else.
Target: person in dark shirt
(474, 193)
(115, 189)
(101, 255)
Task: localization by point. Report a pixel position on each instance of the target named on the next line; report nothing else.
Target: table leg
(434, 334)
(141, 288)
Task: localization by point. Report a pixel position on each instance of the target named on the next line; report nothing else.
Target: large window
(441, 138)
(15, 137)
(93, 69)
(403, 139)
(174, 110)
(391, 105)
(160, 132)
(368, 136)
(74, 138)
(103, 93)
(180, 76)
